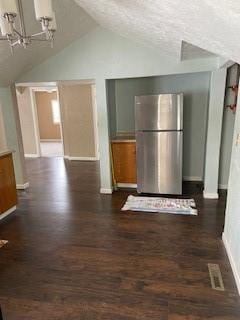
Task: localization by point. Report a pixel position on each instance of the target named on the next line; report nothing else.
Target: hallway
(51, 149)
(72, 254)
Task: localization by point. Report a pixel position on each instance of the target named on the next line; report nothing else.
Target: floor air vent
(215, 277)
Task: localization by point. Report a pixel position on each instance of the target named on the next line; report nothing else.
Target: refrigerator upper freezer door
(159, 162)
(159, 112)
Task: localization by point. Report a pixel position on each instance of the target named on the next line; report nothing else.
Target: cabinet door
(124, 161)
(8, 193)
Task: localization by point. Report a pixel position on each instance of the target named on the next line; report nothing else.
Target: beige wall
(3, 144)
(48, 130)
(26, 120)
(78, 120)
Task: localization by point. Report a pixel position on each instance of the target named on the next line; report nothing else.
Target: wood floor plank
(73, 254)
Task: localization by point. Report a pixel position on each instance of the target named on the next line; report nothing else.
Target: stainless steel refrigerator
(159, 136)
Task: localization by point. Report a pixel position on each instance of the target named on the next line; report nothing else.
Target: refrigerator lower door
(159, 162)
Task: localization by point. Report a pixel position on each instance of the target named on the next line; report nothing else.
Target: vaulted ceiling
(73, 22)
(212, 25)
(182, 29)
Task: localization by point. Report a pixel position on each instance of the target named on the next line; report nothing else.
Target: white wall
(228, 127)
(231, 234)
(102, 55)
(214, 133)
(27, 121)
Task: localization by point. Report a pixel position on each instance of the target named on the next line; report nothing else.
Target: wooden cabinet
(8, 193)
(124, 161)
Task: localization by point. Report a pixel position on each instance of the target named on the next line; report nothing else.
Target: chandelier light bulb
(43, 9)
(5, 26)
(8, 7)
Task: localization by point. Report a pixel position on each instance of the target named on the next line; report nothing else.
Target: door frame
(33, 90)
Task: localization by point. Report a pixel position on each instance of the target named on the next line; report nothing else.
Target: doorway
(41, 121)
(49, 123)
(59, 119)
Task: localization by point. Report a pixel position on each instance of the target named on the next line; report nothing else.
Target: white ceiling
(212, 25)
(182, 29)
(73, 22)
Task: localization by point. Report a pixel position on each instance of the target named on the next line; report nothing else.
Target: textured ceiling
(73, 22)
(213, 25)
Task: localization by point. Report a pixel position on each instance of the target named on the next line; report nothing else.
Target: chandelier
(11, 11)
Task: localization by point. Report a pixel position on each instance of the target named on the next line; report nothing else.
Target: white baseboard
(23, 186)
(207, 195)
(9, 211)
(80, 158)
(127, 185)
(106, 191)
(50, 140)
(232, 262)
(31, 155)
(192, 178)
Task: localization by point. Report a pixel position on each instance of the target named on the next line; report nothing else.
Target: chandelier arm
(6, 39)
(12, 44)
(38, 39)
(38, 34)
(18, 33)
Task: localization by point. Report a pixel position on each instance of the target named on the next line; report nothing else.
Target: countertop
(5, 152)
(125, 139)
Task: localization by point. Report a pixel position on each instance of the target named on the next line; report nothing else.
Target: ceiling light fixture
(11, 10)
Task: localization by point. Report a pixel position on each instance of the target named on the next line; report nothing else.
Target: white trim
(9, 211)
(232, 262)
(192, 178)
(35, 121)
(62, 123)
(127, 185)
(36, 84)
(23, 186)
(31, 156)
(106, 191)
(75, 82)
(95, 121)
(223, 186)
(45, 89)
(81, 158)
(50, 140)
(207, 195)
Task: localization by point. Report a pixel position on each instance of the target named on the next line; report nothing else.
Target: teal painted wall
(103, 55)
(231, 234)
(12, 131)
(227, 128)
(196, 94)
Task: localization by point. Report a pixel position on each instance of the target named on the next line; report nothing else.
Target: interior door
(159, 162)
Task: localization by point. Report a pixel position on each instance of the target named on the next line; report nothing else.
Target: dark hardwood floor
(72, 254)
